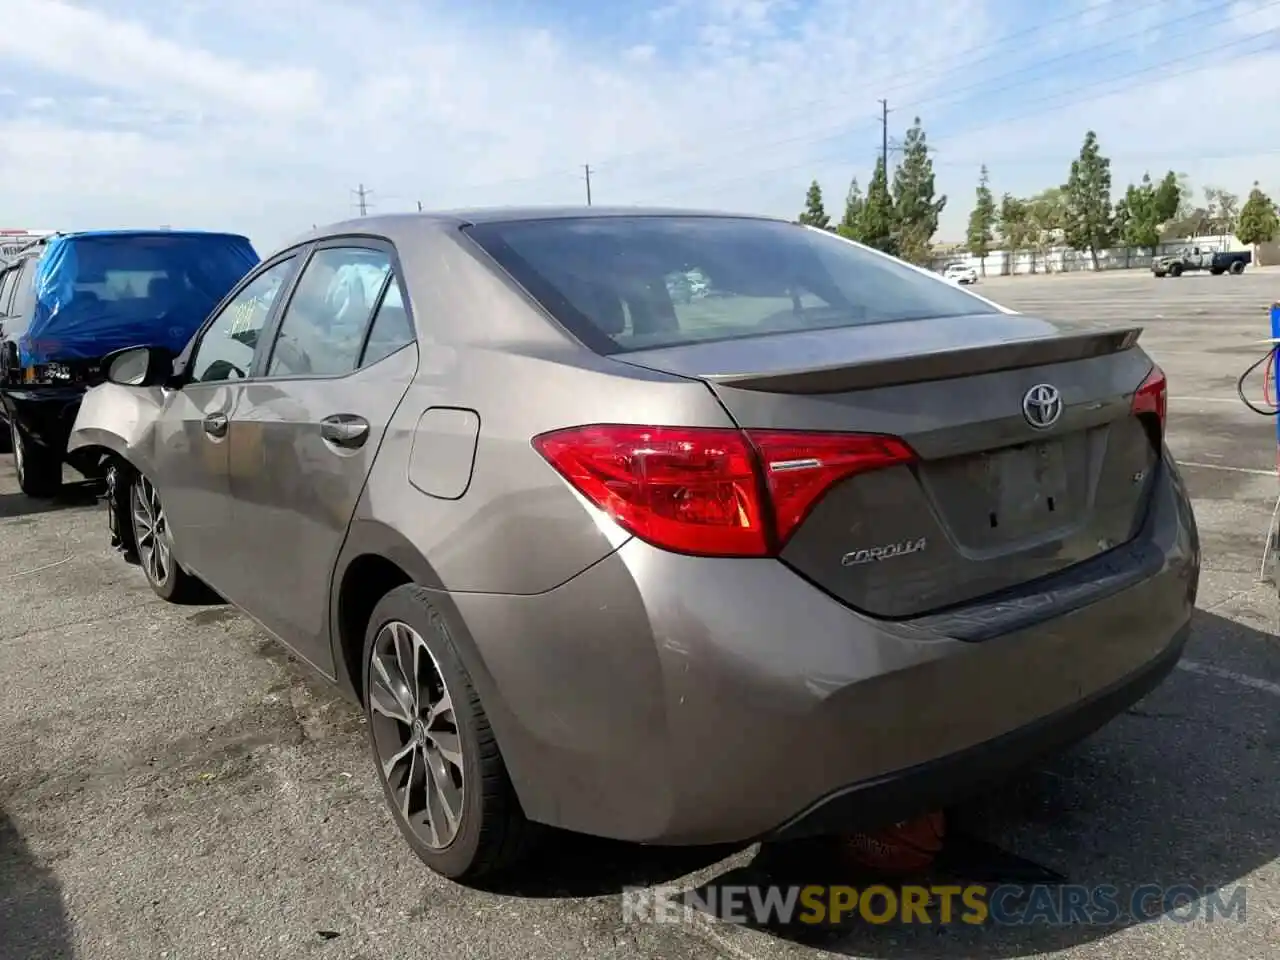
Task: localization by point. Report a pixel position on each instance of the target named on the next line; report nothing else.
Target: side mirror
(138, 366)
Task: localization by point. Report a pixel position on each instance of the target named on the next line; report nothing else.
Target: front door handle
(215, 425)
(345, 430)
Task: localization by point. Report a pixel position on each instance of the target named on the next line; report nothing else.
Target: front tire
(39, 470)
(1175, 270)
(436, 757)
(153, 540)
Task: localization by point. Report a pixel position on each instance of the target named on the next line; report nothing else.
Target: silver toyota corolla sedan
(671, 527)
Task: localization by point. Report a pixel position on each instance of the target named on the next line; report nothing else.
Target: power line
(803, 109)
(951, 97)
(1072, 100)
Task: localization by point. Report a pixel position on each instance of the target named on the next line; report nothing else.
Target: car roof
(135, 234)
(389, 224)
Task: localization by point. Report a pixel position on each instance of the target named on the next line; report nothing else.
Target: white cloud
(261, 116)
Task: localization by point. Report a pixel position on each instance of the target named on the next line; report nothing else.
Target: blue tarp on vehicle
(100, 291)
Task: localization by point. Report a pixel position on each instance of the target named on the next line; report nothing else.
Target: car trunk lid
(996, 497)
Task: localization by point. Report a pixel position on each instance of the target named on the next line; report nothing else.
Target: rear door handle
(345, 430)
(215, 424)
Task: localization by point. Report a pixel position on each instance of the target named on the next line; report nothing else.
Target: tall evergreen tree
(1088, 200)
(850, 225)
(1138, 216)
(815, 214)
(915, 202)
(982, 222)
(1168, 198)
(1259, 221)
(1015, 227)
(877, 213)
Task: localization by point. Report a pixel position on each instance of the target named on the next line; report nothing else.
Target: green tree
(850, 225)
(815, 214)
(1168, 198)
(1088, 200)
(916, 205)
(878, 215)
(1140, 214)
(1259, 218)
(1045, 217)
(982, 222)
(1014, 226)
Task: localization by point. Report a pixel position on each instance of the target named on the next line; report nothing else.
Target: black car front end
(40, 406)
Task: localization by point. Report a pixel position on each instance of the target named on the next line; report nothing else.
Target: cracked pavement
(173, 785)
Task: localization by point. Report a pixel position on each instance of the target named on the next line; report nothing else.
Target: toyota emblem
(1042, 406)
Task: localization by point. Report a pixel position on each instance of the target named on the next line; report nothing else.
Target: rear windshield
(635, 283)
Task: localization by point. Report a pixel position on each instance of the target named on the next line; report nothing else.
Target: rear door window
(634, 283)
(323, 328)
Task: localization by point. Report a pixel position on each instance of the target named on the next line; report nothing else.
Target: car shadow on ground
(81, 494)
(1175, 793)
(33, 920)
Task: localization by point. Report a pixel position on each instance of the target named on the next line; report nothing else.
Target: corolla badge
(885, 551)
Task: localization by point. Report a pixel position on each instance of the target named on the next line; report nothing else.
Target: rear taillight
(711, 492)
(1152, 397)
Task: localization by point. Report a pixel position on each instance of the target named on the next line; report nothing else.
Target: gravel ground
(172, 785)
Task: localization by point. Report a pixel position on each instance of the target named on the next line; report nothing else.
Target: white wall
(1062, 259)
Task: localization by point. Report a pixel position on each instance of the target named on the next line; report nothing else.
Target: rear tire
(435, 754)
(1237, 268)
(39, 470)
(154, 544)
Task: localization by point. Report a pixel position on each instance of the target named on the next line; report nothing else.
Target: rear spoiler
(938, 365)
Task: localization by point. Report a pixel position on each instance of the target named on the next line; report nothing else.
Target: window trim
(192, 349)
(342, 242)
(6, 296)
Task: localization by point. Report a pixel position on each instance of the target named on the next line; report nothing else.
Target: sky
(264, 116)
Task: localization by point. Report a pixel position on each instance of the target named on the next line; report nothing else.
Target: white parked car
(959, 273)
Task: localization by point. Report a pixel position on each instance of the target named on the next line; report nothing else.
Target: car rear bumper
(669, 699)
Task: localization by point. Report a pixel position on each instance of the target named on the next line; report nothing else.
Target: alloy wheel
(151, 529)
(415, 734)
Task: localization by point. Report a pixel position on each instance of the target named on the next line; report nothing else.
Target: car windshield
(639, 282)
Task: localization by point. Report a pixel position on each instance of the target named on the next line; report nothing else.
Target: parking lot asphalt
(172, 785)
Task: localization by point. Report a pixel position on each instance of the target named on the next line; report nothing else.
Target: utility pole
(419, 206)
(362, 197)
(884, 135)
(586, 168)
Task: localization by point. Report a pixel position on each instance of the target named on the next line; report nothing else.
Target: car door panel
(302, 445)
(190, 469)
(295, 491)
(190, 461)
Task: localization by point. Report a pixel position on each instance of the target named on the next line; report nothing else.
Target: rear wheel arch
(374, 561)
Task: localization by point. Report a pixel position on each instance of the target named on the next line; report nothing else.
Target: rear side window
(24, 292)
(7, 281)
(634, 283)
(391, 328)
